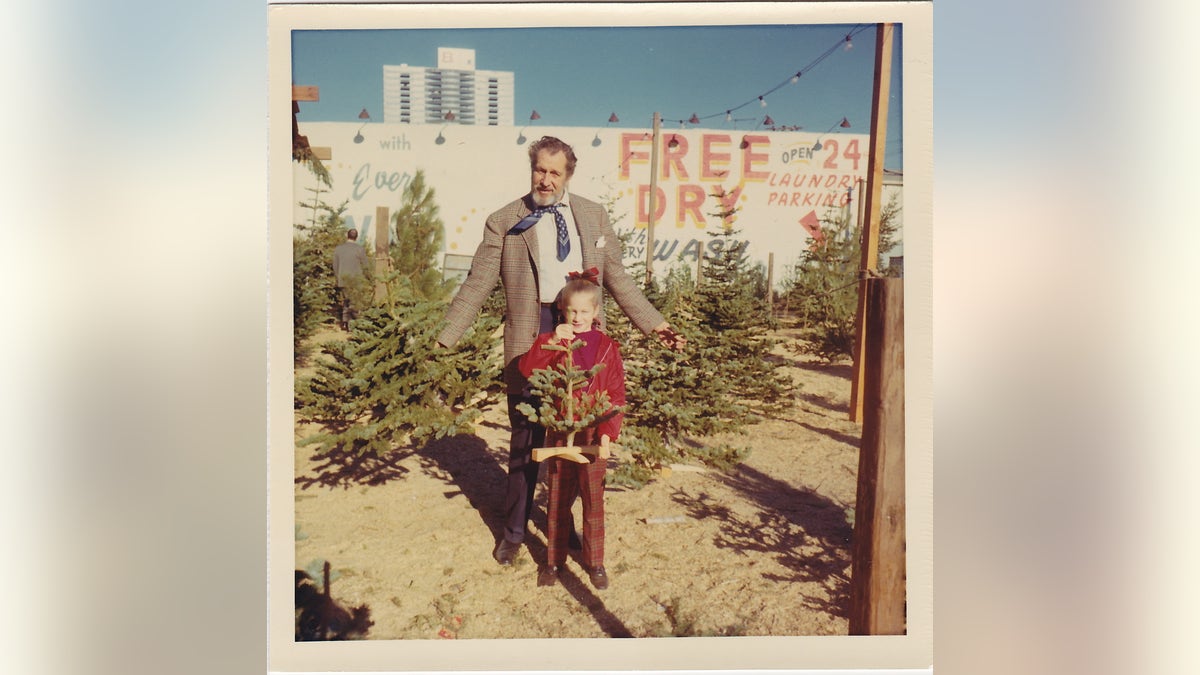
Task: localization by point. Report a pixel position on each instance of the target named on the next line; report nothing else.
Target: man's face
(548, 180)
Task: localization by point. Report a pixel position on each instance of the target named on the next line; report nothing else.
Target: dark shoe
(573, 541)
(599, 577)
(548, 576)
(506, 551)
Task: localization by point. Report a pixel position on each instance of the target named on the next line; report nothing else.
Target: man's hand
(669, 338)
(604, 451)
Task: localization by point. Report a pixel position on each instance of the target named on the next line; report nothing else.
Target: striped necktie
(563, 241)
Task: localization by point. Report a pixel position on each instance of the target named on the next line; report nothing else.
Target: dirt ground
(762, 550)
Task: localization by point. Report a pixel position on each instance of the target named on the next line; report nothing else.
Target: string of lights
(846, 42)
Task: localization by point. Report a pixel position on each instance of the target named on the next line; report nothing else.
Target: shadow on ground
(340, 468)
(808, 534)
(467, 464)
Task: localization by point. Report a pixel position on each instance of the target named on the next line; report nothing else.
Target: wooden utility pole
(653, 199)
(870, 230)
(858, 192)
(877, 572)
(770, 279)
(383, 261)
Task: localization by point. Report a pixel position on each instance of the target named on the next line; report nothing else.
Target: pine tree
(736, 317)
(824, 283)
(420, 237)
(388, 385)
(719, 383)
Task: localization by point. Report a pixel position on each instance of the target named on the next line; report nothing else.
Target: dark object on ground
(318, 617)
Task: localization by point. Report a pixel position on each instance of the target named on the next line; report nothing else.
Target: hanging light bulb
(762, 101)
(366, 117)
(796, 77)
(694, 119)
(449, 117)
(673, 143)
(728, 115)
(849, 45)
(817, 146)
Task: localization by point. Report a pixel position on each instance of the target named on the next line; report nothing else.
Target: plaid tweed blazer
(513, 260)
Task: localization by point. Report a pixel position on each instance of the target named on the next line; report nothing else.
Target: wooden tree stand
(568, 421)
(575, 453)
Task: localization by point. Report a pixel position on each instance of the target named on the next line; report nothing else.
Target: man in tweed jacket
(532, 274)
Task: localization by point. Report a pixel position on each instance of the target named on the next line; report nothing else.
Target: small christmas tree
(564, 409)
(388, 385)
(420, 239)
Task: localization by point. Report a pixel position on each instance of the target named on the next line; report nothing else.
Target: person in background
(349, 268)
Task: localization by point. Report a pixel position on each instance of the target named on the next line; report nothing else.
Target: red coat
(611, 379)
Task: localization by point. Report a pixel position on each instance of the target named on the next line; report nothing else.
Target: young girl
(579, 303)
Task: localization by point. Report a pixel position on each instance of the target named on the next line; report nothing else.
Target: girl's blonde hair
(575, 287)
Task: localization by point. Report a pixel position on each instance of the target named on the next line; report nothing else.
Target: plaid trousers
(566, 480)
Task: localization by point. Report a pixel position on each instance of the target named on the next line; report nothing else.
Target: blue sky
(579, 76)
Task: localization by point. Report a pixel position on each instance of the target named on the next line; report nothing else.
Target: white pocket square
(600, 242)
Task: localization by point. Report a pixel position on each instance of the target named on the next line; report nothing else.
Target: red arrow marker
(813, 224)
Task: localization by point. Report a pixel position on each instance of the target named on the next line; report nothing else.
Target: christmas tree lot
(565, 411)
(387, 385)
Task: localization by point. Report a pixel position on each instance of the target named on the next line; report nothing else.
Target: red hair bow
(590, 274)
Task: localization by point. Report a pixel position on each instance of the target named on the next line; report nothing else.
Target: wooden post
(861, 203)
(305, 92)
(770, 279)
(870, 230)
(653, 199)
(383, 261)
(877, 571)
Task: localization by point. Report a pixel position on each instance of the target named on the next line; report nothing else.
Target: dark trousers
(522, 470)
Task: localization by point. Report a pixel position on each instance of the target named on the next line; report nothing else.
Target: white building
(419, 95)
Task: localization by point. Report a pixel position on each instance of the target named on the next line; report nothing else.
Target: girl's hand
(604, 452)
(563, 332)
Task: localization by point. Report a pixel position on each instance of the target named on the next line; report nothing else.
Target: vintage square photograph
(597, 330)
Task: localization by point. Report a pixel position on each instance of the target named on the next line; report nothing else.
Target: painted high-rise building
(418, 95)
